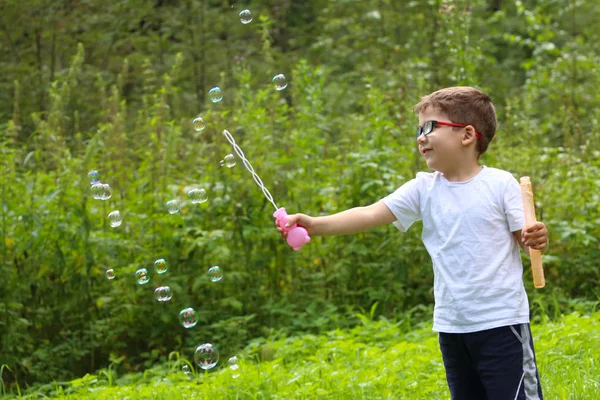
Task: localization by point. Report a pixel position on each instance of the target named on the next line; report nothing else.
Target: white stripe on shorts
(529, 378)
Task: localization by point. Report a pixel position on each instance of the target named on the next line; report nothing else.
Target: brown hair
(464, 105)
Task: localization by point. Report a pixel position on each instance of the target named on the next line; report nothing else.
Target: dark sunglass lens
(428, 127)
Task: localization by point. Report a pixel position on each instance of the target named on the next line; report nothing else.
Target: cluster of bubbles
(206, 355)
(233, 366)
(197, 196)
(99, 190)
(102, 191)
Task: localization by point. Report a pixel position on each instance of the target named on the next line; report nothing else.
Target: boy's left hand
(535, 236)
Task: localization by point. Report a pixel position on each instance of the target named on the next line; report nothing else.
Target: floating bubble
(280, 81)
(215, 94)
(233, 367)
(229, 160)
(187, 318)
(222, 163)
(245, 16)
(234, 370)
(173, 206)
(142, 276)
(163, 293)
(97, 190)
(197, 196)
(161, 266)
(199, 124)
(94, 177)
(206, 356)
(106, 192)
(114, 218)
(215, 273)
(110, 274)
(186, 369)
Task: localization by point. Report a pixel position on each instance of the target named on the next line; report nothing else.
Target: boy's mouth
(424, 151)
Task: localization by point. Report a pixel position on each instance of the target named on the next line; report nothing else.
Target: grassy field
(372, 361)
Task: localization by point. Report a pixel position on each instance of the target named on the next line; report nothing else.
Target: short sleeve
(513, 205)
(404, 203)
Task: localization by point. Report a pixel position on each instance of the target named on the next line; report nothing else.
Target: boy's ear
(469, 135)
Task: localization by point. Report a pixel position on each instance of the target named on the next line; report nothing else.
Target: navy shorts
(495, 364)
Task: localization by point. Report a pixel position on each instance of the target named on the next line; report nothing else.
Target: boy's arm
(534, 236)
(354, 220)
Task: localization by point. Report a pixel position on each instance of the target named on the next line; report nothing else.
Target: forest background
(113, 86)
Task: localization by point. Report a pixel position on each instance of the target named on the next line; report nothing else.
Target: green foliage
(116, 91)
(376, 360)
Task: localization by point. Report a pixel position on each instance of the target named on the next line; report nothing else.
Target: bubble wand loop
(537, 270)
(296, 235)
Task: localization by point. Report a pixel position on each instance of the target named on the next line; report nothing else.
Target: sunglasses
(428, 126)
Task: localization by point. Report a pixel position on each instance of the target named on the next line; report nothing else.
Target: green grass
(373, 361)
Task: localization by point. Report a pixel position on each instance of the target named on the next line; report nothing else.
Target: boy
(472, 228)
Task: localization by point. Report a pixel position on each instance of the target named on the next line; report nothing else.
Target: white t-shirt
(467, 230)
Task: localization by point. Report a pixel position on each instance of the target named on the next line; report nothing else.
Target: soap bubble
(206, 356)
(163, 293)
(142, 276)
(215, 94)
(280, 81)
(222, 163)
(199, 124)
(94, 177)
(215, 273)
(115, 219)
(186, 369)
(97, 190)
(245, 16)
(110, 274)
(161, 266)
(187, 318)
(234, 368)
(106, 192)
(173, 206)
(197, 196)
(229, 160)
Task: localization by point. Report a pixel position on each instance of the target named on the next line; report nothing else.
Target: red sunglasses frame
(420, 128)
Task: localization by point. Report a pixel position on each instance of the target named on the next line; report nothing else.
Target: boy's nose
(422, 139)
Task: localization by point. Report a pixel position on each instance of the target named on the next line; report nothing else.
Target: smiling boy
(473, 226)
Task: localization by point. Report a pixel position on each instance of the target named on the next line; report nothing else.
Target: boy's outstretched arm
(354, 220)
(534, 236)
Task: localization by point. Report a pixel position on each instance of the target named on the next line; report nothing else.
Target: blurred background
(113, 86)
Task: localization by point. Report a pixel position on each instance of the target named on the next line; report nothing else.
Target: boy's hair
(465, 105)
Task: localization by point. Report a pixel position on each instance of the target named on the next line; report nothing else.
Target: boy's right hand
(303, 220)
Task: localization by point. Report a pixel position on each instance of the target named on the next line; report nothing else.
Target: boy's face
(442, 146)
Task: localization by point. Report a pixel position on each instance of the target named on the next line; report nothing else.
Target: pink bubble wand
(296, 234)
